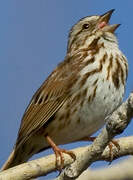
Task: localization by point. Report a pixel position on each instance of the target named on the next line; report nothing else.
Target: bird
(78, 96)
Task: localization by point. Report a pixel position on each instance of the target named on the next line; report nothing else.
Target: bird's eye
(85, 26)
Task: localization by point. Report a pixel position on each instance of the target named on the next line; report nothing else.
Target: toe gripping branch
(59, 153)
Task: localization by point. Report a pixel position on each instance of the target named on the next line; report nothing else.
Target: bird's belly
(85, 118)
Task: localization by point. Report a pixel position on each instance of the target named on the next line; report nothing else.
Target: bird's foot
(59, 154)
(110, 145)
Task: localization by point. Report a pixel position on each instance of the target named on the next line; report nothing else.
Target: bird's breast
(98, 92)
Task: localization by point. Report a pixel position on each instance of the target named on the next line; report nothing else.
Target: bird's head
(92, 27)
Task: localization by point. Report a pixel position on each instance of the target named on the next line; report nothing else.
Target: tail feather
(19, 157)
(10, 161)
(25, 152)
(14, 159)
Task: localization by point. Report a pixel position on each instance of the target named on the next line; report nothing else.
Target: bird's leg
(114, 142)
(59, 153)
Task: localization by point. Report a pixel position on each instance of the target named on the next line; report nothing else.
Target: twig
(117, 122)
(120, 171)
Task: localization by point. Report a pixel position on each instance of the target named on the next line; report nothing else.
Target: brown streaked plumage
(80, 93)
(109, 67)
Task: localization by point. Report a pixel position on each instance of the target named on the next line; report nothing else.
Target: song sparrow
(80, 93)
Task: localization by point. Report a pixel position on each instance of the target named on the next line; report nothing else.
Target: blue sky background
(33, 40)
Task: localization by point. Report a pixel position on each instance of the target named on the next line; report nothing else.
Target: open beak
(104, 22)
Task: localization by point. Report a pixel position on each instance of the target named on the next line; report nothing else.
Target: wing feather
(37, 115)
(48, 99)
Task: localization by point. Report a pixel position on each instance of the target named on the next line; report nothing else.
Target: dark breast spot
(115, 79)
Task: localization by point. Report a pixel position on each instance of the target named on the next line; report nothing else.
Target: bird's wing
(47, 100)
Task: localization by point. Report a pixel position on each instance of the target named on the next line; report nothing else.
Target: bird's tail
(9, 162)
(24, 152)
(15, 159)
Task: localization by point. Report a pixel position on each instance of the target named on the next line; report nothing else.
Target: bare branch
(117, 122)
(120, 171)
(46, 165)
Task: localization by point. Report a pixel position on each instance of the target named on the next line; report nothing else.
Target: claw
(110, 145)
(60, 158)
(111, 154)
(59, 154)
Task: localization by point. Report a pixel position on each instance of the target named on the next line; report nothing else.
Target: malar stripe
(93, 47)
(93, 44)
(96, 48)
